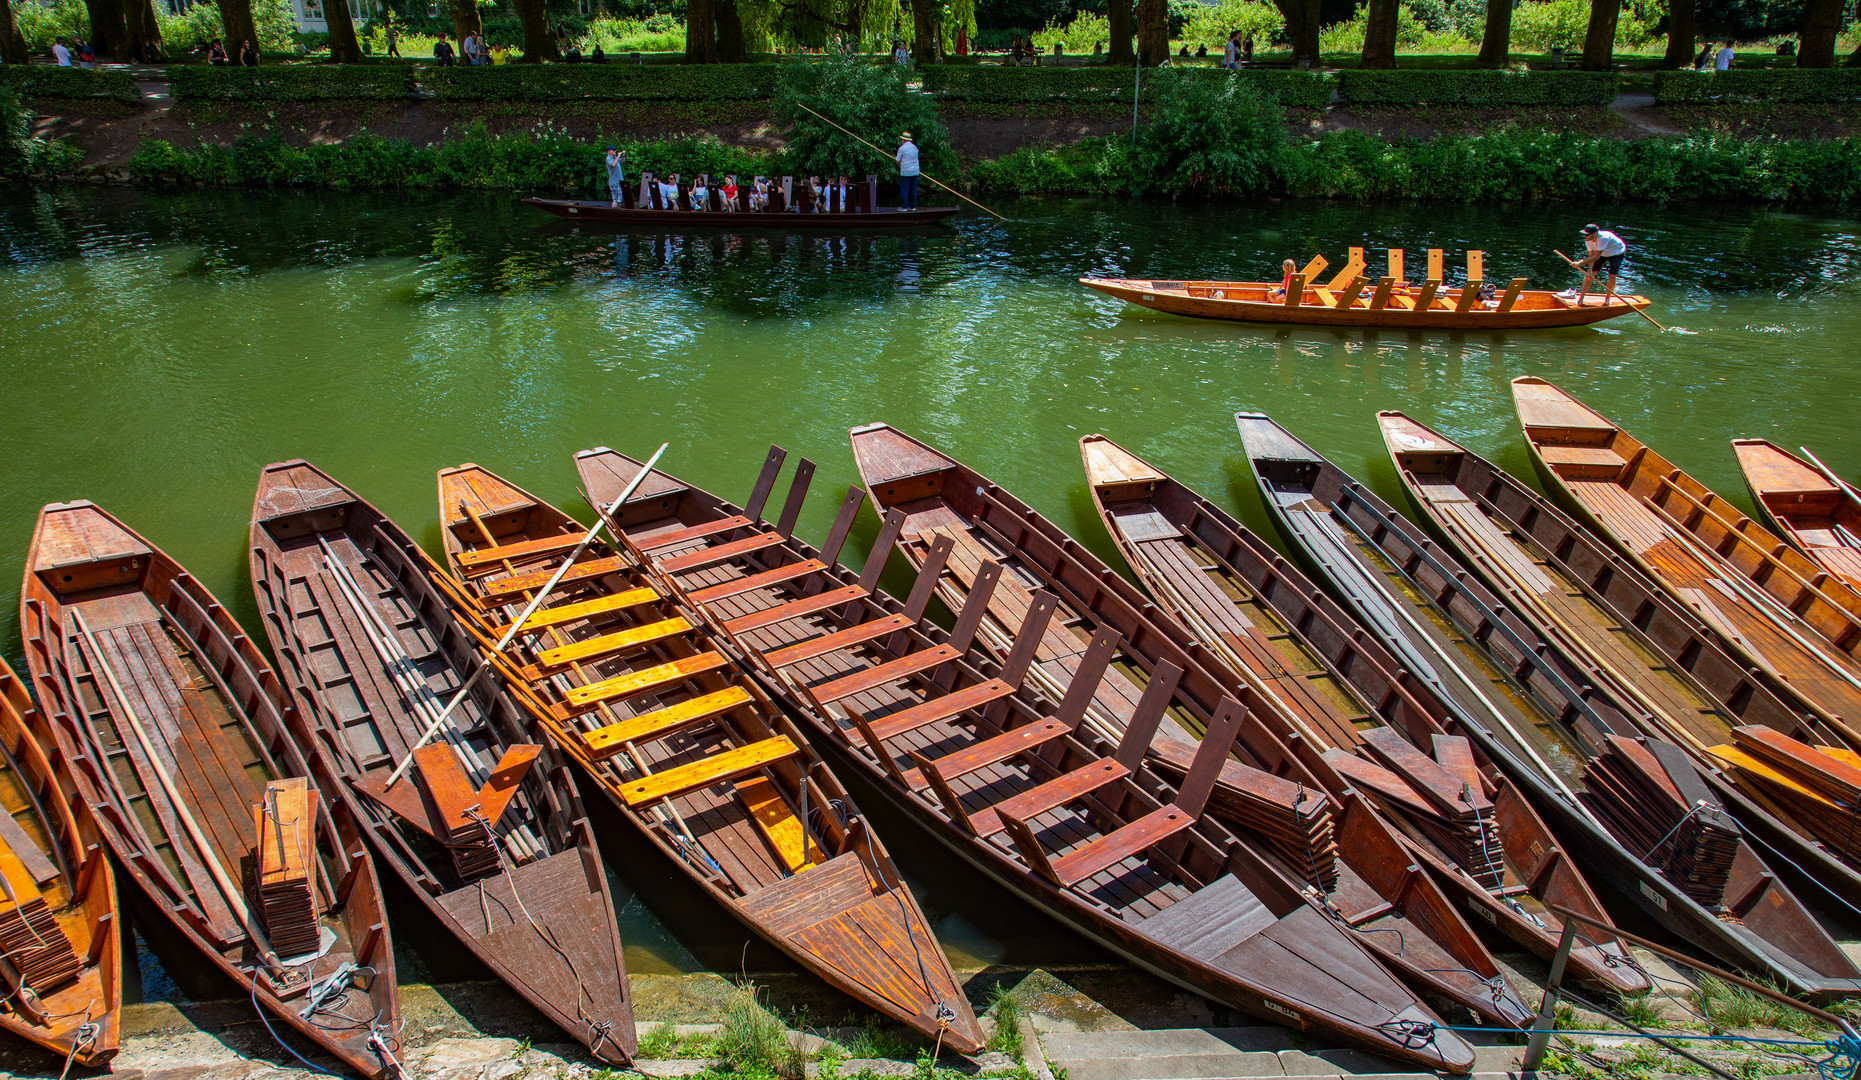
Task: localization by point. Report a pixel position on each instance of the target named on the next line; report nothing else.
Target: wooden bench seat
(604, 742)
(691, 776)
(696, 532)
(795, 609)
(940, 708)
(549, 661)
(1107, 851)
(752, 582)
(488, 558)
(711, 556)
(879, 675)
(1056, 792)
(544, 618)
(839, 639)
(989, 751)
(506, 588)
(1580, 455)
(582, 698)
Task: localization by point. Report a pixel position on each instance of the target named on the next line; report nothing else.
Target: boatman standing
(616, 174)
(907, 173)
(1603, 254)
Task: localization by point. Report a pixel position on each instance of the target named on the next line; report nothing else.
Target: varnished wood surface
(1818, 517)
(1252, 301)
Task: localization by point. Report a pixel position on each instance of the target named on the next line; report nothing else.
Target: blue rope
(1841, 1064)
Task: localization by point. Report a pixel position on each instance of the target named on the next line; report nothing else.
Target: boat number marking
(1484, 912)
(1659, 900)
(1281, 1009)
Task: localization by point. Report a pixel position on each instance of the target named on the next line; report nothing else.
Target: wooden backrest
(1353, 267)
(1395, 263)
(1512, 294)
(1314, 268)
(1295, 290)
(1476, 267)
(869, 194)
(1434, 264)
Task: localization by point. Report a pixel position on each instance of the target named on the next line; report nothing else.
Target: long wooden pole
(1575, 265)
(1830, 474)
(926, 176)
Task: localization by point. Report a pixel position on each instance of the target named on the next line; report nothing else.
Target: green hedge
(294, 82)
(606, 82)
(33, 80)
(1300, 89)
(1702, 88)
(1477, 89)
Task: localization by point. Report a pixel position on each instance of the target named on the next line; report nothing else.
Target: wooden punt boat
(1001, 775)
(634, 686)
(60, 932)
(1674, 675)
(1782, 612)
(1816, 512)
(1227, 588)
(486, 829)
(884, 217)
(939, 497)
(175, 728)
(1631, 815)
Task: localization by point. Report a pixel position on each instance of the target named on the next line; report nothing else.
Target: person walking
(394, 47)
(1229, 50)
(907, 158)
(901, 55)
(1603, 253)
(616, 173)
(442, 52)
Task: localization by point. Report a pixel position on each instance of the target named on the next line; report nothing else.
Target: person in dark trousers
(907, 158)
(394, 46)
(442, 52)
(1603, 254)
(248, 56)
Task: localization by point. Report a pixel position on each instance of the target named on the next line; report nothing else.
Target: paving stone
(1345, 1063)
(675, 1067)
(877, 1067)
(1170, 1054)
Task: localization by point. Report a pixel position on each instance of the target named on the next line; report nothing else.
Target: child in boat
(759, 194)
(730, 193)
(700, 192)
(817, 195)
(668, 192)
(1287, 269)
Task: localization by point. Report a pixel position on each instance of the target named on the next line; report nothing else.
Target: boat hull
(1179, 298)
(601, 213)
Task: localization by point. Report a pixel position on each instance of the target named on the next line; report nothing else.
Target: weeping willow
(857, 25)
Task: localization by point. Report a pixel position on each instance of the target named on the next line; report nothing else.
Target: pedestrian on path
(907, 158)
(60, 53)
(394, 46)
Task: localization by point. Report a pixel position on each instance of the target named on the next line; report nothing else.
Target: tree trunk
(344, 48)
(732, 48)
(12, 45)
(465, 21)
(1599, 40)
(1681, 36)
(700, 32)
(1302, 27)
(143, 33)
(925, 15)
(538, 43)
(1153, 31)
(1118, 18)
(106, 28)
(237, 23)
(1379, 35)
(1822, 21)
(1496, 43)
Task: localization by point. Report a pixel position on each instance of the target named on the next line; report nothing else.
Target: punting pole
(1830, 474)
(529, 609)
(926, 176)
(1575, 265)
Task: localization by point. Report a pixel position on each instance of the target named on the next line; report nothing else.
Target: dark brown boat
(1228, 589)
(883, 217)
(485, 829)
(1675, 677)
(1816, 511)
(633, 685)
(59, 928)
(1023, 789)
(939, 497)
(1780, 611)
(175, 727)
(1633, 815)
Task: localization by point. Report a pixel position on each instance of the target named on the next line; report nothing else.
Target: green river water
(157, 348)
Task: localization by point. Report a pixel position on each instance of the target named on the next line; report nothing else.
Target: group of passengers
(706, 194)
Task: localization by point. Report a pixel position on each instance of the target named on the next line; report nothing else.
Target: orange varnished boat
(1819, 515)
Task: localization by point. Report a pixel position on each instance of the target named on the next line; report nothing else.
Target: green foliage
(1716, 87)
(656, 33)
(751, 1041)
(658, 1043)
(1477, 89)
(275, 21)
(1733, 1008)
(292, 82)
(949, 82)
(14, 131)
(875, 1039)
(872, 101)
(1348, 36)
(1007, 1009)
(1211, 25)
(1094, 166)
(1211, 136)
(1543, 25)
(603, 82)
(1078, 36)
(42, 24)
(35, 80)
(1642, 1010)
(186, 32)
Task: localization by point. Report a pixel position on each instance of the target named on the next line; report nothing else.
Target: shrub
(659, 33)
(34, 80)
(292, 82)
(605, 82)
(1211, 25)
(1300, 89)
(186, 32)
(1543, 25)
(1348, 36)
(1211, 136)
(1477, 89)
(1078, 36)
(14, 131)
(1094, 166)
(1704, 87)
(873, 101)
(42, 24)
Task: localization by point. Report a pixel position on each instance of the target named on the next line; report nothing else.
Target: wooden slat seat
(750, 583)
(543, 618)
(505, 588)
(711, 556)
(938, 708)
(839, 639)
(879, 675)
(582, 698)
(606, 741)
(728, 765)
(696, 532)
(1113, 848)
(488, 558)
(1055, 792)
(990, 751)
(795, 609)
(595, 648)
(1581, 455)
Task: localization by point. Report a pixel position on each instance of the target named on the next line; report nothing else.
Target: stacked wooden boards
(1015, 782)
(59, 928)
(174, 726)
(1812, 508)
(1228, 589)
(632, 683)
(485, 829)
(1817, 786)
(937, 497)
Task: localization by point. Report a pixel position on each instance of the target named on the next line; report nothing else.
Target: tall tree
(1681, 34)
(926, 20)
(1599, 39)
(465, 20)
(1153, 31)
(538, 43)
(344, 48)
(732, 46)
(700, 32)
(1118, 24)
(107, 35)
(1379, 34)
(142, 33)
(12, 45)
(1496, 43)
(237, 24)
(1822, 22)
(1302, 27)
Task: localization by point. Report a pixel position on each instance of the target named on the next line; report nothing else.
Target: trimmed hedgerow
(1712, 87)
(1476, 89)
(33, 80)
(1297, 89)
(610, 82)
(292, 82)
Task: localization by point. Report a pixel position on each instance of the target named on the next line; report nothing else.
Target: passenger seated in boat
(1488, 295)
(817, 195)
(730, 193)
(1286, 269)
(759, 194)
(843, 192)
(700, 192)
(668, 192)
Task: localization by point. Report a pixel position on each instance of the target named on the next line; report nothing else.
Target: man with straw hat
(907, 158)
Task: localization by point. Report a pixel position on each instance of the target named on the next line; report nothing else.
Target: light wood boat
(175, 728)
(1783, 613)
(1818, 515)
(1711, 886)
(633, 685)
(883, 217)
(64, 996)
(485, 829)
(939, 497)
(1020, 788)
(1227, 588)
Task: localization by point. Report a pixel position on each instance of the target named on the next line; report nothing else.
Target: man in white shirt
(60, 53)
(1603, 252)
(1723, 60)
(907, 158)
(1228, 52)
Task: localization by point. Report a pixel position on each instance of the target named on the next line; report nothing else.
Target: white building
(310, 19)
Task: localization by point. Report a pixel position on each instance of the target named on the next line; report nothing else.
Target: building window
(432, 10)
(583, 6)
(313, 9)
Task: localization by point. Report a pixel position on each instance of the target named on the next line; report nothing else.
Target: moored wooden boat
(1632, 814)
(883, 217)
(1782, 612)
(1001, 775)
(175, 728)
(634, 686)
(1227, 588)
(59, 926)
(939, 497)
(1677, 679)
(1816, 512)
(485, 829)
